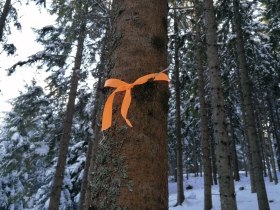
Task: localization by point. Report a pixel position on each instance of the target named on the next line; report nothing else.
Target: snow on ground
(245, 199)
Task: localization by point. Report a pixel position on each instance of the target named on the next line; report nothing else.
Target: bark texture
(130, 171)
(3, 17)
(249, 114)
(227, 194)
(64, 141)
(205, 141)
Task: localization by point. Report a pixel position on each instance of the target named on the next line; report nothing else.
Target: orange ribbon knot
(123, 86)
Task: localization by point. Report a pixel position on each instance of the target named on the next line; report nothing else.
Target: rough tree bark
(130, 171)
(3, 17)
(226, 184)
(64, 141)
(248, 111)
(180, 182)
(205, 140)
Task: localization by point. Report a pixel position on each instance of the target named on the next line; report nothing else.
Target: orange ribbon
(123, 86)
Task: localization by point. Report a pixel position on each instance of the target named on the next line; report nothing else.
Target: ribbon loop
(123, 86)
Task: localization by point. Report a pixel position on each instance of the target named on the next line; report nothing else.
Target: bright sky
(30, 17)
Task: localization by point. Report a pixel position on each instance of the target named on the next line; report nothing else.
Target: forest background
(223, 65)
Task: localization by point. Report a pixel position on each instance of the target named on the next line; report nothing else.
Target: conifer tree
(226, 185)
(248, 108)
(205, 136)
(132, 162)
(59, 174)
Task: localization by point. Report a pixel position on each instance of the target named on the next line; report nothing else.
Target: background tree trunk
(3, 17)
(64, 142)
(213, 162)
(246, 141)
(205, 140)
(248, 108)
(227, 194)
(180, 181)
(131, 163)
(96, 129)
(96, 114)
(232, 149)
(274, 127)
(272, 158)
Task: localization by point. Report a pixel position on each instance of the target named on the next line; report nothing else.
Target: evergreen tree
(132, 162)
(227, 194)
(25, 148)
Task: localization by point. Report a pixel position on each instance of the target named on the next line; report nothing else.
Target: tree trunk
(268, 165)
(264, 147)
(103, 71)
(3, 18)
(244, 158)
(272, 158)
(180, 181)
(175, 165)
(96, 129)
(99, 99)
(226, 184)
(64, 141)
(205, 141)
(246, 142)
(232, 149)
(130, 171)
(274, 127)
(263, 151)
(213, 158)
(248, 108)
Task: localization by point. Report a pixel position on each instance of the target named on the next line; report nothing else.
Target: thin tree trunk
(205, 141)
(102, 69)
(272, 158)
(253, 179)
(96, 129)
(247, 143)
(213, 158)
(232, 149)
(175, 166)
(3, 17)
(274, 127)
(268, 165)
(180, 181)
(84, 194)
(244, 158)
(249, 115)
(264, 148)
(130, 171)
(262, 152)
(226, 184)
(64, 142)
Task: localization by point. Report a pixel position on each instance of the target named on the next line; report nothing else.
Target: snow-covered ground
(245, 199)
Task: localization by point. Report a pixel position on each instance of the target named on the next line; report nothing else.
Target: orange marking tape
(123, 86)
